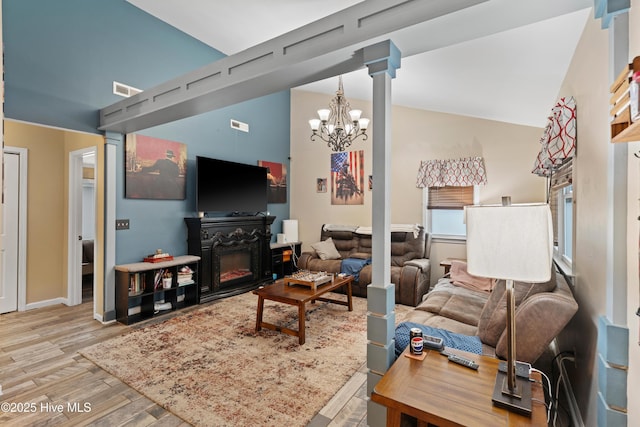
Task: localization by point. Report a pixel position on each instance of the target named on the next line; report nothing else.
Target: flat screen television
(224, 186)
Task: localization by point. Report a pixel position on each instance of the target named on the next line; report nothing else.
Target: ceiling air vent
(124, 90)
(238, 125)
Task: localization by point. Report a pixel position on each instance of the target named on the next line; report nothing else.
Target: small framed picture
(321, 185)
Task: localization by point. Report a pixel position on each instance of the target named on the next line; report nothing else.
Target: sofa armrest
(539, 319)
(413, 281)
(304, 258)
(422, 263)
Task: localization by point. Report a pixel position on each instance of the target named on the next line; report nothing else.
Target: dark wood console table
(282, 258)
(442, 393)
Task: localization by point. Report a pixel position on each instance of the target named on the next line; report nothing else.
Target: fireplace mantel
(213, 238)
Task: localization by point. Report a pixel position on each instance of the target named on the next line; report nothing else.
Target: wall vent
(122, 89)
(235, 124)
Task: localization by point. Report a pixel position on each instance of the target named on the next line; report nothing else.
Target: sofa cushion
(330, 265)
(360, 255)
(454, 302)
(346, 242)
(441, 322)
(493, 319)
(326, 249)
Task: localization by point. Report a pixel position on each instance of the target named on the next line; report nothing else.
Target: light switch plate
(122, 224)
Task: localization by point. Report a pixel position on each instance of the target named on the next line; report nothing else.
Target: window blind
(562, 177)
(450, 197)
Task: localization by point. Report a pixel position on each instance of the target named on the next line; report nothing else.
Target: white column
(382, 60)
(113, 141)
(616, 263)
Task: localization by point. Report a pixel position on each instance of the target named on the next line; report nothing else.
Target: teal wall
(61, 58)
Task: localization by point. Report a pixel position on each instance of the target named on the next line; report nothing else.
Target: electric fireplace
(234, 251)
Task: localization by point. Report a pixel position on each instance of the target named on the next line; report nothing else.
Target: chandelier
(339, 125)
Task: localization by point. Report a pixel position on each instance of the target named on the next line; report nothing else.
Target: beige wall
(588, 80)
(46, 240)
(47, 204)
(509, 152)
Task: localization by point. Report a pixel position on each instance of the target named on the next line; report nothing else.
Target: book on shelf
(157, 280)
(136, 285)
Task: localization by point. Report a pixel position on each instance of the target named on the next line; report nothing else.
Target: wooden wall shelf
(629, 134)
(622, 128)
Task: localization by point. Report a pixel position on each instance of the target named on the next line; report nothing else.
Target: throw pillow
(326, 249)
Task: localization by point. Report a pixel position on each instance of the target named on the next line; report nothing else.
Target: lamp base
(519, 402)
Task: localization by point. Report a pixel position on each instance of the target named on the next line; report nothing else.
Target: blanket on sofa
(469, 343)
(352, 266)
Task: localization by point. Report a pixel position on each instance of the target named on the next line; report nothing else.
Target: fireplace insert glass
(236, 263)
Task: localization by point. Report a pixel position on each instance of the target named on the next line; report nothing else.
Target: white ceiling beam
(324, 48)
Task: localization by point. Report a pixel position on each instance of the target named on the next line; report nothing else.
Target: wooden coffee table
(299, 295)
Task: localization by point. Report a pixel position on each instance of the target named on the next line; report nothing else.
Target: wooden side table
(442, 393)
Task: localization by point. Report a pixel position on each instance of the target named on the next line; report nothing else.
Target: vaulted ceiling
(500, 60)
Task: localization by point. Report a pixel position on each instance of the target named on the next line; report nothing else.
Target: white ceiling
(500, 60)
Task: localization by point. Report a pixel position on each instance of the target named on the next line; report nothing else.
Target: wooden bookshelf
(141, 293)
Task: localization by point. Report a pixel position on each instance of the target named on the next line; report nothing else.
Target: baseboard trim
(574, 409)
(100, 319)
(46, 303)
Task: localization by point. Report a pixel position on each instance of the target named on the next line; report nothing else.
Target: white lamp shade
(315, 124)
(510, 242)
(324, 114)
(364, 123)
(355, 115)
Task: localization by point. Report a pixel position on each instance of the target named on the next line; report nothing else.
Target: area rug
(211, 368)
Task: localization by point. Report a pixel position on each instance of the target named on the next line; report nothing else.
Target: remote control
(433, 342)
(464, 362)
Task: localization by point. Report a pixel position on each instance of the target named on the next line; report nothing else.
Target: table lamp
(510, 242)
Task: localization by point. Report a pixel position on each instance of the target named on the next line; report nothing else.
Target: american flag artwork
(347, 178)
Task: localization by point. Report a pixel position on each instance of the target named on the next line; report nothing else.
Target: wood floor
(45, 381)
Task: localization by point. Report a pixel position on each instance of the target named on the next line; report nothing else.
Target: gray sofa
(410, 265)
(542, 311)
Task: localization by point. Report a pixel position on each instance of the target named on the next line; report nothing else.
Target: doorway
(14, 219)
(82, 226)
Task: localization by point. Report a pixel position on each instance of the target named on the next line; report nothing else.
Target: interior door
(9, 238)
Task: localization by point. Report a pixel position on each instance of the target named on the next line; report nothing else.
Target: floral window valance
(559, 138)
(452, 172)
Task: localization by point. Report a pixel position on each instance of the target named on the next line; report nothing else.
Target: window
(563, 239)
(448, 186)
(445, 210)
(562, 209)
